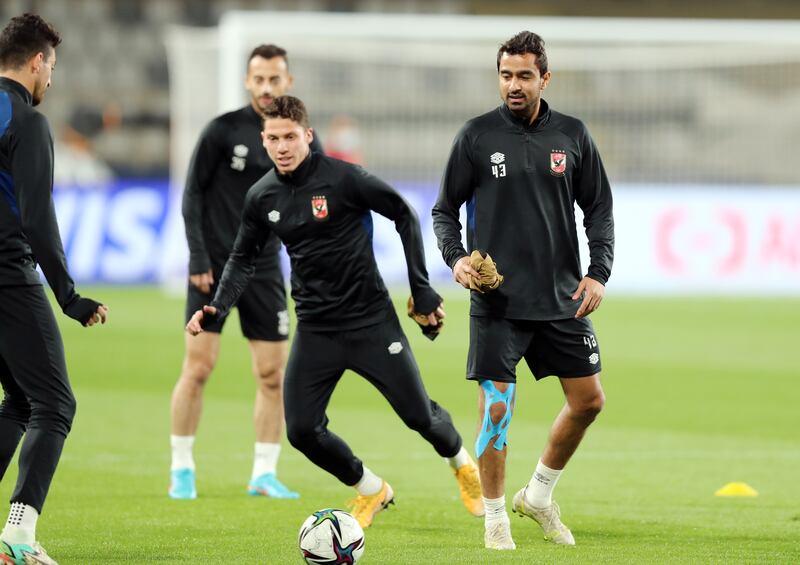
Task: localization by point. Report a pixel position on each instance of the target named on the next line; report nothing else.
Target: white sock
(539, 493)
(266, 460)
(459, 459)
(369, 484)
(21, 524)
(495, 510)
(182, 452)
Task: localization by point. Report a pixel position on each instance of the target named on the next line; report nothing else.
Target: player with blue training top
(38, 401)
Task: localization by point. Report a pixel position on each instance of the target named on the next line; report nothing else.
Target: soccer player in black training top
(227, 161)
(38, 399)
(520, 169)
(320, 207)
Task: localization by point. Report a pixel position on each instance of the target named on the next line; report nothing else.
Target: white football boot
(498, 535)
(548, 518)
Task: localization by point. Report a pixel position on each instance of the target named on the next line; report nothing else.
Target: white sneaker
(40, 557)
(23, 553)
(498, 535)
(548, 518)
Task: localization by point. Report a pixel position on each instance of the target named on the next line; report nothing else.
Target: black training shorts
(262, 309)
(564, 348)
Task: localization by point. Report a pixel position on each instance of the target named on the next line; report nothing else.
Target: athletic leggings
(38, 400)
(381, 354)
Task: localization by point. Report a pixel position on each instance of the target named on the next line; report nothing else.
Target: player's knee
(198, 370)
(270, 377)
(598, 403)
(294, 436)
(56, 413)
(439, 414)
(300, 434)
(418, 421)
(588, 408)
(300, 429)
(16, 408)
(497, 411)
(66, 414)
(68, 409)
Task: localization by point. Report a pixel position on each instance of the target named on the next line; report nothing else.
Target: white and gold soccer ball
(331, 536)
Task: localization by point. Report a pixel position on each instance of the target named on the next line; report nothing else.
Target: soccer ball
(332, 537)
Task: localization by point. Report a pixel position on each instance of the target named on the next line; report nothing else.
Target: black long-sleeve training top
(520, 182)
(28, 229)
(228, 159)
(321, 213)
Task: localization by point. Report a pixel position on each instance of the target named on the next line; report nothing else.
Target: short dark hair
(268, 51)
(525, 42)
(24, 37)
(289, 108)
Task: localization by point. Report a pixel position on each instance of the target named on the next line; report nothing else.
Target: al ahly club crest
(319, 207)
(558, 162)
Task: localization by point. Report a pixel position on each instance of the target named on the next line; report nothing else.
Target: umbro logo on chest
(498, 161)
(239, 158)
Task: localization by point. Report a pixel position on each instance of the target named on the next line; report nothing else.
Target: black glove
(82, 309)
(209, 318)
(429, 331)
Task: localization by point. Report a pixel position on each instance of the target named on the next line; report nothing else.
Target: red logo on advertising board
(687, 242)
(558, 163)
(319, 207)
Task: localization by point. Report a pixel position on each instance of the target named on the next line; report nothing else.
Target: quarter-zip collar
(541, 120)
(14, 86)
(300, 174)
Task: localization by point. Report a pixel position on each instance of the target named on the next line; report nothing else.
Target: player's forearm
(457, 187)
(199, 261)
(241, 264)
(192, 208)
(45, 242)
(599, 224)
(235, 278)
(38, 218)
(447, 229)
(601, 254)
(426, 300)
(594, 196)
(383, 199)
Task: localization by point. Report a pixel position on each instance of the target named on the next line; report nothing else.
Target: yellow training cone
(736, 489)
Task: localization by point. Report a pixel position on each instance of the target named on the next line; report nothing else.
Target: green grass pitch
(699, 393)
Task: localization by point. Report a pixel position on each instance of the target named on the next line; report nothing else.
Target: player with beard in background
(228, 159)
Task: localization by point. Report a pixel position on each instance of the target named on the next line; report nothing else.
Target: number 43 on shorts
(589, 341)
